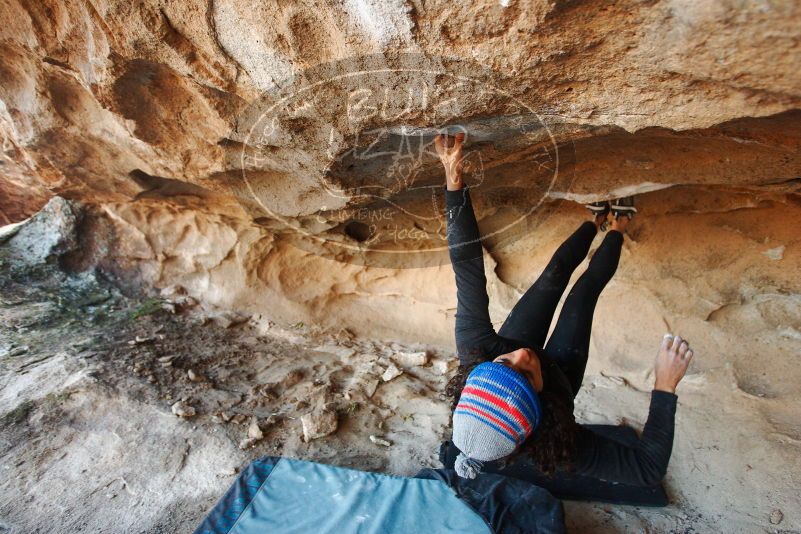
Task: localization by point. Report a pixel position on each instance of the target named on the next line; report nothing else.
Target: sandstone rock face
(242, 148)
(274, 158)
(50, 233)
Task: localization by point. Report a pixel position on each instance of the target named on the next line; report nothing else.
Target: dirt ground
(89, 440)
(90, 378)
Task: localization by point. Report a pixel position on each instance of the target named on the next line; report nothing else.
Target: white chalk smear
(774, 254)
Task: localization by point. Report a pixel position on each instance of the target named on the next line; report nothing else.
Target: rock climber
(513, 393)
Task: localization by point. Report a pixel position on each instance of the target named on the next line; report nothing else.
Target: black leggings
(530, 319)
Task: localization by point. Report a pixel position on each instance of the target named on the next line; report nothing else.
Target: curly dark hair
(552, 446)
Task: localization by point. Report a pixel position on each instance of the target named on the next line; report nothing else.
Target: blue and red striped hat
(497, 410)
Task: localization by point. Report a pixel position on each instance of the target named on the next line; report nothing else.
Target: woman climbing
(513, 393)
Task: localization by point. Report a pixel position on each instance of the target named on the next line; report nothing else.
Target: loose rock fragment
(177, 303)
(318, 424)
(260, 323)
(345, 336)
(221, 417)
(227, 319)
(172, 291)
(776, 517)
(369, 386)
(442, 367)
(185, 302)
(411, 359)
(255, 434)
(18, 351)
(231, 471)
(194, 377)
(380, 441)
(183, 409)
(343, 353)
(363, 384)
(391, 372)
(254, 431)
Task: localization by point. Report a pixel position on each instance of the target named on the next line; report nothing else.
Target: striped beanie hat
(497, 410)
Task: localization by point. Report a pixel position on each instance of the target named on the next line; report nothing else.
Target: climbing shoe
(623, 207)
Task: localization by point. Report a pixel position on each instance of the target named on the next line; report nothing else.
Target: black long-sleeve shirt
(642, 464)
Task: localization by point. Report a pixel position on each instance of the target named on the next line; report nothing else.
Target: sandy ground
(89, 442)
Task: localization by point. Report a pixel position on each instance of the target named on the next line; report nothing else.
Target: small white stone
(194, 377)
(247, 443)
(182, 409)
(231, 471)
(411, 359)
(380, 441)
(442, 367)
(254, 431)
(391, 372)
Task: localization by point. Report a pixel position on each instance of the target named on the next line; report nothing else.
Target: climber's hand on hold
(449, 149)
(672, 361)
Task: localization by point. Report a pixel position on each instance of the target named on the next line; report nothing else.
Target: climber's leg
(530, 319)
(570, 342)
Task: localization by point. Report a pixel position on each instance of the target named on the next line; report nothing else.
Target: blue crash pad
(280, 495)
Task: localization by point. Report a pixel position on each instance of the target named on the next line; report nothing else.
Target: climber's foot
(601, 222)
(599, 210)
(620, 224)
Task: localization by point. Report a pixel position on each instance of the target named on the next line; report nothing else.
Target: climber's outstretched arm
(475, 336)
(645, 463)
